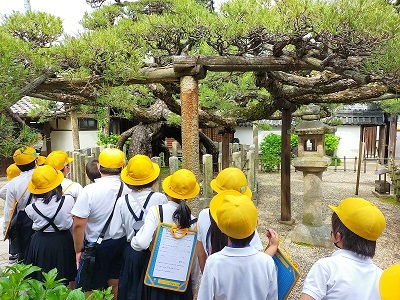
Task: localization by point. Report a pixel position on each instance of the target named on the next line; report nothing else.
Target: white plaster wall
(245, 134)
(349, 140)
(63, 140)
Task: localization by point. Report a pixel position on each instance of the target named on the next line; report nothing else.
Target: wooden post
(226, 134)
(74, 128)
(344, 163)
(392, 136)
(46, 131)
(360, 150)
(190, 124)
(286, 214)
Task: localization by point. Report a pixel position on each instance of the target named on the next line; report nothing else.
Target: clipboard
(288, 273)
(168, 268)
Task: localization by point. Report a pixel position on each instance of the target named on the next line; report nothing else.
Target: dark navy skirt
(49, 250)
(135, 264)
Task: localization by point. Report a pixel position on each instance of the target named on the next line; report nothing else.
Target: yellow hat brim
(129, 180)
(38, 191)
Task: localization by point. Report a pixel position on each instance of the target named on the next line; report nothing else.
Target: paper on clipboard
(171, 259)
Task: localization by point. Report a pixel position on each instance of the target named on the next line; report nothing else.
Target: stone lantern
(311, 160)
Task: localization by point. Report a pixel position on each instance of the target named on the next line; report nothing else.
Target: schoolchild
(92, 209)
(17, 192)
(210, 239)
(12, 171)
(92, 170)
(389, 284)
(238, 271)
(180, 187)
(139, 175)
(51, 245)
(349, 273)
(60, 160)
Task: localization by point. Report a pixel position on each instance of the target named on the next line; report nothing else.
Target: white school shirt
(63, 220)
(204, 224)
(3, 191)
(123, 217)
(239, 273)
(344, 275)
(71, 188)
(145, 235)
(16, 188)
(96, 202)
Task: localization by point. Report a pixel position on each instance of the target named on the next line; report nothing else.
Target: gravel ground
(336, 186)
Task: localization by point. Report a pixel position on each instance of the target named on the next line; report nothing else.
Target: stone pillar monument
(312, 162)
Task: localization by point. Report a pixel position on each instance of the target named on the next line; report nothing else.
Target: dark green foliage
(16, 284)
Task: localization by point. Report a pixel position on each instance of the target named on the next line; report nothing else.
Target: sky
(70, 11)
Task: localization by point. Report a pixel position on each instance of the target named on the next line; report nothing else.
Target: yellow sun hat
(44, 179)
(181, 185)
(140, 171)
(234, 213)
(24, 155)
(12, 171)
(57, 159)
(231, 179)
(41, 160)
(361, 217)
(111, 158)
(389, 284)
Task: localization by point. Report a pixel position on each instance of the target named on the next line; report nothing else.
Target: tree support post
(286, 214)
(190, 124)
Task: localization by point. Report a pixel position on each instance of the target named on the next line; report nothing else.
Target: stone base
(311, 235)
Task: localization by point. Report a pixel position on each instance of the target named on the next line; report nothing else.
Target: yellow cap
(112, 158)
(45, 179)
(24, 155)
(41, 160)
(140, 171)
(231, 179)
(234, 213)
(57, 159)
(12, 171)
(389, 284)
(181, 185)
(361, 217)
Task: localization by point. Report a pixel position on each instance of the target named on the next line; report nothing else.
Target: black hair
(140, 187)
(352, 241)
(242, 242)
(28, 166)
(47, 196)
(218, 239)
(182, 215)
(110, 171)
(92, 171)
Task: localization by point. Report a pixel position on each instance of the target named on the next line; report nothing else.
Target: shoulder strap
(143, 208)
(160, 213)
(49, 220)
(64, 190)
(29, 200)
(193, 221)
(103, 232)
(130, 208)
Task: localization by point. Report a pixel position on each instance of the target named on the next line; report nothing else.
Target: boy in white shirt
(238, 271)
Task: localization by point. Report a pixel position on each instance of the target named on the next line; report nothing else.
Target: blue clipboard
(288, 273)
(165, 261)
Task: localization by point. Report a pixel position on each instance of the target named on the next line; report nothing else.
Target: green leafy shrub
(331, 143)
(15, 283)
(112, 139)
(270, 152)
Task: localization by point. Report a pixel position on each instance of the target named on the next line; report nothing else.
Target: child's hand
(273, 237)
(273, 242)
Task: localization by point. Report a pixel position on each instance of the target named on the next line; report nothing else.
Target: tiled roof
(25, 105)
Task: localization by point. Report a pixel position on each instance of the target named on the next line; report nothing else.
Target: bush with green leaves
(16, 284)
(271, 149)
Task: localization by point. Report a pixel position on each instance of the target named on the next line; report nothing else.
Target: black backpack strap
(49, 220)
(160, 212)
(103, 232)
(29, 199)
(145, 204)
(130, 208)
(193, 221)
